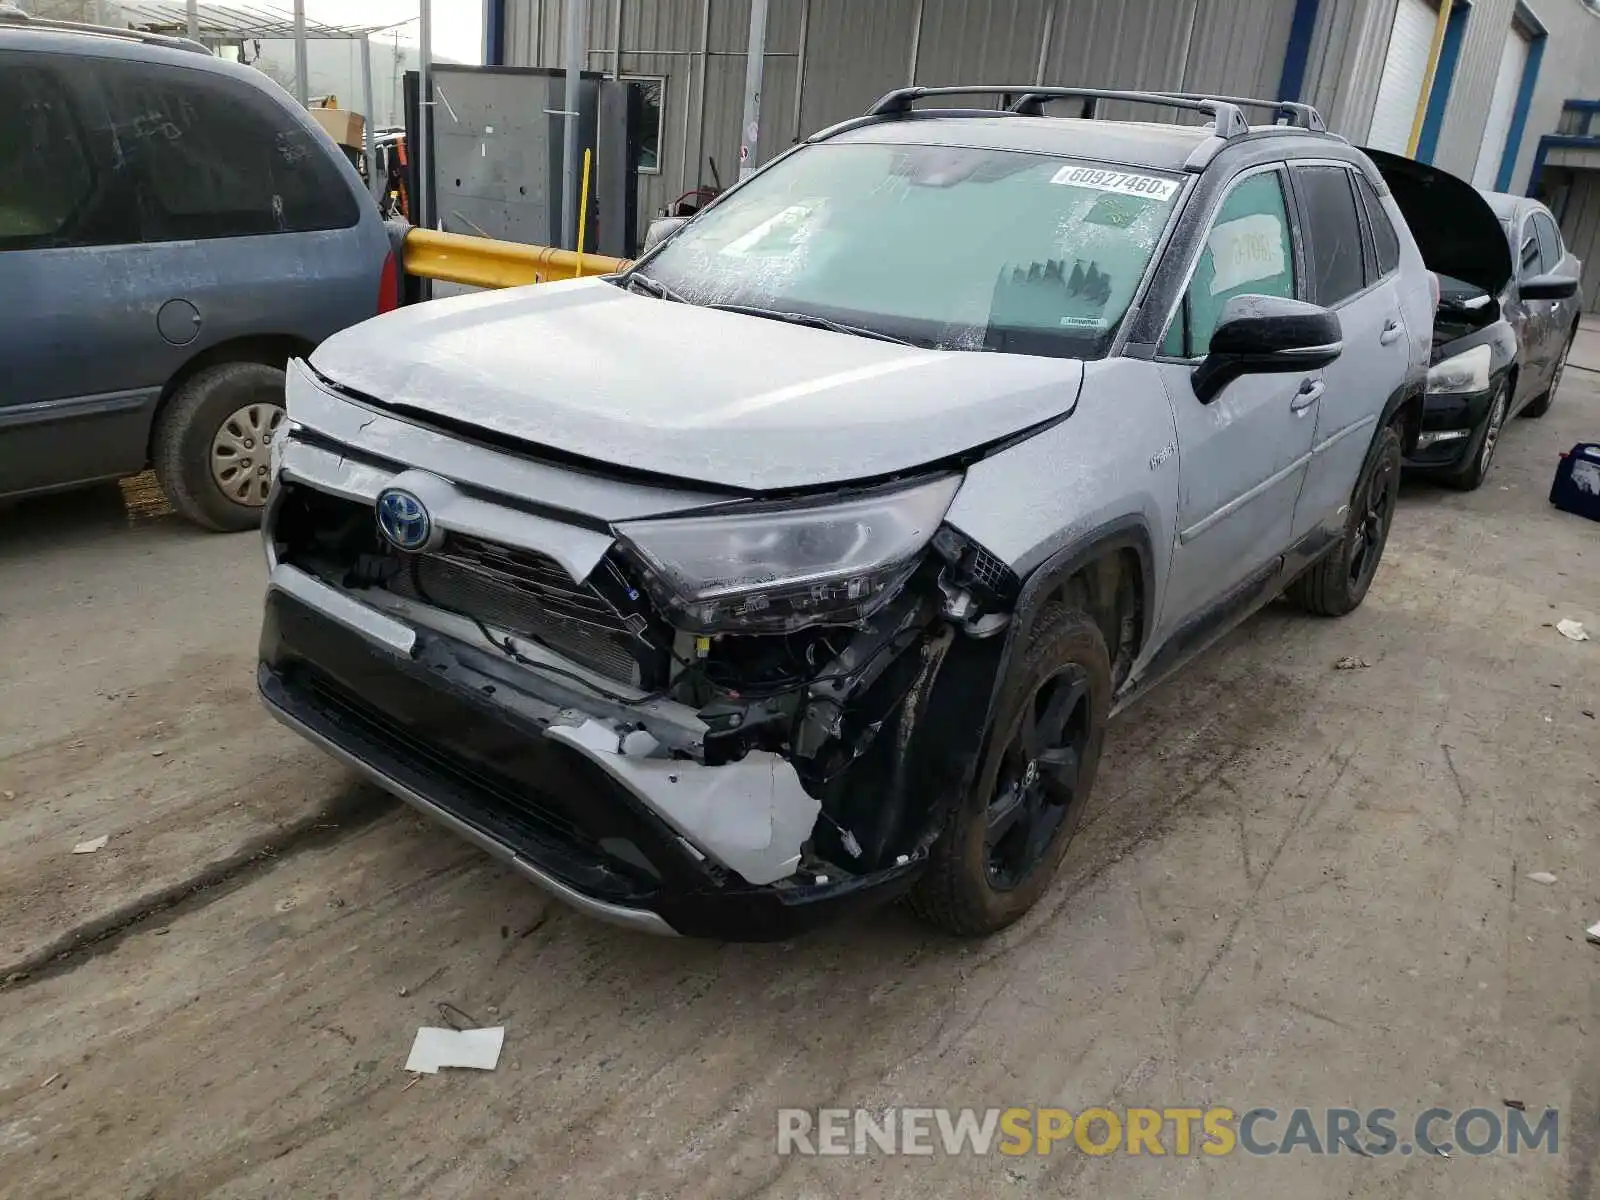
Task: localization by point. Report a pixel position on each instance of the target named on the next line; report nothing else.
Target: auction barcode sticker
(1126, 183)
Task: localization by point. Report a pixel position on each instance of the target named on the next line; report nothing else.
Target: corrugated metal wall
(1580, 229)
(1569, 69)
(1488, 26)
(1352, 37)
(855, 50)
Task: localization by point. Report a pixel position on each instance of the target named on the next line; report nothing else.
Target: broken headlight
(773, 569)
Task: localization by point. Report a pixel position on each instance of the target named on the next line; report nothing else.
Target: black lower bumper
(1463, 413)
(457, 742)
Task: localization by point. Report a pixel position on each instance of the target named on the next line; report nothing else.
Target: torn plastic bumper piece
(582, 801)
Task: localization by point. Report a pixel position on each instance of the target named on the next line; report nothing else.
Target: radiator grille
(525, 593)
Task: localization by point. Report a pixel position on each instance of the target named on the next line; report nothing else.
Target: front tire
(1541, 403)
(1002, 844)
(1338, 582)
(1469, 476)
(213, 444)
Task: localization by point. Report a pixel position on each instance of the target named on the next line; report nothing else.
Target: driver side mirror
(1548, 287)
(1266, 334)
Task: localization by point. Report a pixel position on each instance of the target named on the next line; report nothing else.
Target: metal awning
(231, 22)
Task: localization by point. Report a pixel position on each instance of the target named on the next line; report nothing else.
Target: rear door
(1243, 455)
(1346, 274)
(252, 223)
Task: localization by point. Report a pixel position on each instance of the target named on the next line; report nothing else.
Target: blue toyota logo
(403, 519)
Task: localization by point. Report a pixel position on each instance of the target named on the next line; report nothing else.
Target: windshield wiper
(814, 322)
(651, 287)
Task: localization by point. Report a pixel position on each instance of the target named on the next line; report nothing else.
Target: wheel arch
(1404, 406)
(1125, 541)
(272, 349)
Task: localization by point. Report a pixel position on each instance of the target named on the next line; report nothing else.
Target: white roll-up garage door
(1405, 64)
(1513, 61)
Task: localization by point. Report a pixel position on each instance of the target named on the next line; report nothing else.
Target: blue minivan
(173, 229)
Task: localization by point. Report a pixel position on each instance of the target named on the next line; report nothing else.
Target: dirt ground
(1297, 886)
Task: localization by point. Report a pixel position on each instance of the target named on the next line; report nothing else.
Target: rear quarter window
(217, 157)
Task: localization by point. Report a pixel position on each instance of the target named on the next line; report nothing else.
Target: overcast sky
(457, 24)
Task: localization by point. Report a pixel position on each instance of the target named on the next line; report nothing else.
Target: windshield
(950, 247)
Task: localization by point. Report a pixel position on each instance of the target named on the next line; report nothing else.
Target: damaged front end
(732, 722)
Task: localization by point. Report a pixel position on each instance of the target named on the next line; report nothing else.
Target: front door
(1556, 316)
(1531, 319)
(1242, 456)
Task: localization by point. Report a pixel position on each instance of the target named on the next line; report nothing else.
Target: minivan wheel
(213, 444)
(1338, 582)
(1002, 844)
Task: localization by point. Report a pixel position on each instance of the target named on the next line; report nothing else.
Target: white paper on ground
(91, 845)
(435, 1048)
(1572, 629)
(1594, 933)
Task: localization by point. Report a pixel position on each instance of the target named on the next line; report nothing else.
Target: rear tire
(230, 411)
(1002, 843)
(1338, 582)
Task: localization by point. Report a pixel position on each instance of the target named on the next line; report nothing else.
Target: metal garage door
(1580, 229)
(1513, 59)
(1405, 64)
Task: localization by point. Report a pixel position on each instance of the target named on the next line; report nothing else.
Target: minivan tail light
(389, 285)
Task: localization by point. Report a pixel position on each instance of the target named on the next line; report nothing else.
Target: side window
(219, 157)
(1550, 251)
(47, 181)
(1384, 238)
(1247, 252)
(1333, 233)
(1529, 258)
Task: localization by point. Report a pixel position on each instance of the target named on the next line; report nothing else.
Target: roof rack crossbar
(1302, 116)
(1228, 119)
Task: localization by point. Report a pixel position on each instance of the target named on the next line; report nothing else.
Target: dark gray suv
(173, 229)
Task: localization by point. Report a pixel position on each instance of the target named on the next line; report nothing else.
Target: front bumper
(1457, 417)
(581, 802)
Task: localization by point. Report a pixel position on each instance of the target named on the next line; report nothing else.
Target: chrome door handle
(1391, 332)
(1310, 392)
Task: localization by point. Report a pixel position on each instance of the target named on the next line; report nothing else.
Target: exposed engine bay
(1463, 308)
(869, 703)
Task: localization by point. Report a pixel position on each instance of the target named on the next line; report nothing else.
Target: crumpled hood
(1455, 228)
(744, 402)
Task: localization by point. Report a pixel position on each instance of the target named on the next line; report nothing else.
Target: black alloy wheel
(1038, 778)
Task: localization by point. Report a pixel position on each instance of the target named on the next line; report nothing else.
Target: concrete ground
(1297, 886)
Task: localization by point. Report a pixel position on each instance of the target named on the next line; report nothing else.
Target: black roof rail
(1301, 116)
(1030, 101)
(16, 18)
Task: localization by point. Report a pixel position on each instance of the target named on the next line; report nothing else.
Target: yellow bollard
(583, 215)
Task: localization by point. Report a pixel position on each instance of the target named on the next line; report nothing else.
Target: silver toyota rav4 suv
(802, 564)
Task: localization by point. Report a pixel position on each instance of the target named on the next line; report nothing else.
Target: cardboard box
(346, 128)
